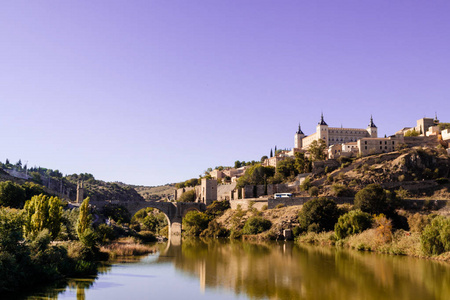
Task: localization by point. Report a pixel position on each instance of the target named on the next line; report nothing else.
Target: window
(365, 142)
(381, 147)
(366, 147)
(381, 142)
(393, 142)
(385, 147)
(385, 142)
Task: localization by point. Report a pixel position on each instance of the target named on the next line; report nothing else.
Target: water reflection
(289, 271)
(223, 269)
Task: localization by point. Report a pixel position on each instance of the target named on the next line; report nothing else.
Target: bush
(195, 222)
(314, 191)
(306, 184)
(280, 205)
(11, 194)
(339, 190)
(374, 199)
(435, 238)
(215, 230)
(318, 215)
(118, 213)
(217, 208)
(105, 234)
(256, 225)
(188, 196)
(351, 223)
(418, 222)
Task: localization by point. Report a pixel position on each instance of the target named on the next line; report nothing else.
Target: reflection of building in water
(202, 275)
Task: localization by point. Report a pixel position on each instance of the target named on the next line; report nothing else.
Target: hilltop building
(334, 135)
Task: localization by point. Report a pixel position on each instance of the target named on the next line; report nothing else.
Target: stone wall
(272, 203)
(245, 203)
(428, 141)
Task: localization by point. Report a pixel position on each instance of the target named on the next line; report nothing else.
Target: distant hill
(66, 186)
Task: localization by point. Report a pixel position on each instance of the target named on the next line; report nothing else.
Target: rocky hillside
(416, 172)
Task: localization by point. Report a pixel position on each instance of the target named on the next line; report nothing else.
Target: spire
(322, 122)
(372, 125)
(436, 121)
(299, 131)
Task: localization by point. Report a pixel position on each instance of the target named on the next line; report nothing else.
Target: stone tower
(80, 191)
(322, 130)
(372, 129)
(208, 192)
(299, 135)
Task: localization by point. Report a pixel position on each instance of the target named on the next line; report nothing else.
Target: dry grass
(127, 247)
(323, 238)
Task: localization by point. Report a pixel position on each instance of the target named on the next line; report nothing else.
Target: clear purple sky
(152, 92)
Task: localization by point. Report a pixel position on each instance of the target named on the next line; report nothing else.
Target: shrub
(314, 191)
(383, 229)
(279, 205)
(215, 230)
(11, 194)
(375, 200)
(306, 184)
(118, 213)
(188, 196)
(256, 225)
(195, 222)
(418, 222)
(318, 215)
(217, 208)
(339, 190)
(352, 222)
(435, 238)
(442, 180)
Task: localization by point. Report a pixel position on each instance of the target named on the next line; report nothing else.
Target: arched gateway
(174, 211)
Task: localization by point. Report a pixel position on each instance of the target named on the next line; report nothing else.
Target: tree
(43, 212)
(84, 218)
(263, 158)
(318, 215)
(255, 175)
(373, 199)
(302, 164)
(188, 196)
(271, 153)
(237, 164)
(287, 167)
(11, 194)
(317, 150)
(435, 238)
(256, 225)
(195, 222)
(412, 132)
(353, 222)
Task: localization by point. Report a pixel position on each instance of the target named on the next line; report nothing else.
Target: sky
(155, 92)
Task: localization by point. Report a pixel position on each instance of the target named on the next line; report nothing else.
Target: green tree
(412, 132)
(84, 218)
(317, 150)
(374, 199)
(11, 194)
(302, 163)
(188, 196)
(287, 167)
(353, 222)
(435, 238)
(118, 213)
(318, 215)
(256, 225)
(255, 175)
(43, 212)
(237, 164)
(195, 222)
(263, 158)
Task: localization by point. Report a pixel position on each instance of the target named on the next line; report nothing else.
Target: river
(223, 269)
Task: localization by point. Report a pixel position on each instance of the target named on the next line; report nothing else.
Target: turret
(372, 128)
(322, 130)
(299, 135)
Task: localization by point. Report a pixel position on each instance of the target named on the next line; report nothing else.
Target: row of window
(381, 142)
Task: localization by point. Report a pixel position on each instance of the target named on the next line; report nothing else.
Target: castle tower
(372, 129)
(299, 135)
(208, 192)
(322, 130)
(80, 191)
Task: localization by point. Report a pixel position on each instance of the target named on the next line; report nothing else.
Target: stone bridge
(174, 211)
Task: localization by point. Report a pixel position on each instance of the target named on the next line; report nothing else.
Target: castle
(333, 135)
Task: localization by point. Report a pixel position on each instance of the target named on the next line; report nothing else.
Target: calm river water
(222, 269)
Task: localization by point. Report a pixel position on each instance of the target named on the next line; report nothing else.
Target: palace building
(334, 135)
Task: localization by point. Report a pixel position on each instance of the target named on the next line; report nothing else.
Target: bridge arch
(174, 211)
